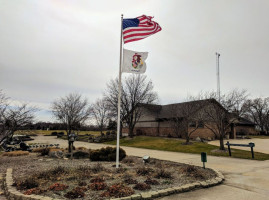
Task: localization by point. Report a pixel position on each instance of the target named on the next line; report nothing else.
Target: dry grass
(15, 153)
(55, 149)
(39, 150)
(82, 148)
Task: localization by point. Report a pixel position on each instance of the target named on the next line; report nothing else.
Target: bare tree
(136, 90)
(13, 117)
(218, 116)
(101, 113)
(72, 111)
(184, 115)
(258, 111)
(111, 98)
(266, 117)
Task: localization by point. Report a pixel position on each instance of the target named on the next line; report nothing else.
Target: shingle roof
(244, 121)
(166, 111)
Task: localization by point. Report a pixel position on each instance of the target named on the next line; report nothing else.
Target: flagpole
(119, 100)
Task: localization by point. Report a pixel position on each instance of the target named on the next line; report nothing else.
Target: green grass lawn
(45, 132)
(176, 145)
(259, 136)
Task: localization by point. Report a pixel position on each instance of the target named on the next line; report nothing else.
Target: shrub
(150, 181)
(15, 153)
(29, 183)
(106, 154)
(77, 192)
(84, 172)
(121, 170)
(118, 190)
(51, 174)
(82, 183)
(98, 186)
(142, 186)
(45, 152)
(97, 179)
(130, 181)
(60, 134)
(34, 191)
(162, 173)
(86, 169)
(193, 171)
(128, 160)
(54, 133)
(58, 187)
(59, 170)
(107, 133)
(143, 171)
(97, 168)
(81, 154)
(139, 132)
(84, 189)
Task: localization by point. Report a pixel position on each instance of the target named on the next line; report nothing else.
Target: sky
(51, 48)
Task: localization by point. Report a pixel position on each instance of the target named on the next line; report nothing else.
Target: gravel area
(33, 164)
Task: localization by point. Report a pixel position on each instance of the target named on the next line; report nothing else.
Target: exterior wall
(247, 130)
(148, 126)
(204, 133)
(145, 124)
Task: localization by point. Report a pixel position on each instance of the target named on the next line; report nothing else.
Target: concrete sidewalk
(245, 179)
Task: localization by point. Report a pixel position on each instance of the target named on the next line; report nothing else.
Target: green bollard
(203, 158)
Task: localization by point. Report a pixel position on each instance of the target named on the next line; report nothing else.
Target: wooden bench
(251, 145)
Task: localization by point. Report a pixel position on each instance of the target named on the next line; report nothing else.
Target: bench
(251, 145)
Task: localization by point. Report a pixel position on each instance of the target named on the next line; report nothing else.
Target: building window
(192, 124)
(201, 124)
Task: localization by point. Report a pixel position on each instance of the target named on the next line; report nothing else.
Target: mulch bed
(84, 179)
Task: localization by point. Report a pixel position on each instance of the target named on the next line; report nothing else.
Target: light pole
(218, 81)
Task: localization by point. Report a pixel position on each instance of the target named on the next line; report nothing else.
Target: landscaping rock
(136, 197)
(146, 195)
(56, 154)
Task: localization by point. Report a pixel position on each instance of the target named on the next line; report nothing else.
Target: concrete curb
(11, 192)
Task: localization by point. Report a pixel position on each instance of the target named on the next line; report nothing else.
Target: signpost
(203, 158)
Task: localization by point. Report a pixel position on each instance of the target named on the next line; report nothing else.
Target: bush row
(106, 154)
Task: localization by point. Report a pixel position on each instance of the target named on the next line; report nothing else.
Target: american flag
(139, 28)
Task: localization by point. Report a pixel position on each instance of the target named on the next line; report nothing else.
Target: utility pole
(218, 81)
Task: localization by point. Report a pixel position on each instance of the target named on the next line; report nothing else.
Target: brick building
(156, 121)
